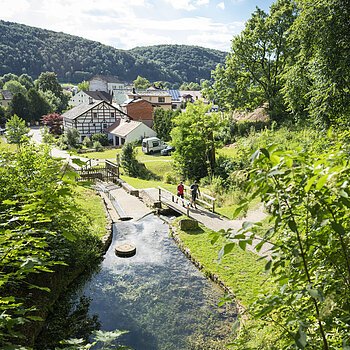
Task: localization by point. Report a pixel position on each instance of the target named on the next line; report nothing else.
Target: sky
(125, 24)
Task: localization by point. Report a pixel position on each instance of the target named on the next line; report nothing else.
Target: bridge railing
(204, 199)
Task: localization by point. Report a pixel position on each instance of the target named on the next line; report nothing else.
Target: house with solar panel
(92, 118)
(158, 98)
(179, 98)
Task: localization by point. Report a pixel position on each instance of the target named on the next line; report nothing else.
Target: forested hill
(186, 62)
(31, 50)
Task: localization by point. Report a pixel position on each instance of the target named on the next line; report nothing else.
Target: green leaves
(307, 195)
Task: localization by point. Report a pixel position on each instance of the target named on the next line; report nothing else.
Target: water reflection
(157, 295)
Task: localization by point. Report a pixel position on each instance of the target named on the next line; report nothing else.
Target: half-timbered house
(93, 118)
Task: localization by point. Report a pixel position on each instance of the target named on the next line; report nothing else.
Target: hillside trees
(252, 74)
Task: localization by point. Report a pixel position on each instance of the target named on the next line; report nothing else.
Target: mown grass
(241, 271)
(140, 183)
(4, 146)
(92, 204)
(244, 273)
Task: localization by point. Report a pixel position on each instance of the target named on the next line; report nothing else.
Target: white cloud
(221, 5)
(125, 23)
(187, 5)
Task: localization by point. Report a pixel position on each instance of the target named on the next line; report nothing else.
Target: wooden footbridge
(183, 206)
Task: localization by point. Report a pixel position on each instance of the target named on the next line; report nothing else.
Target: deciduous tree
(194, 139)
(16, 130)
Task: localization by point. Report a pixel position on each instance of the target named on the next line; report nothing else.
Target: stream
(158, 296)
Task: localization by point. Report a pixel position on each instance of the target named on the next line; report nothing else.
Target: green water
(158, 296)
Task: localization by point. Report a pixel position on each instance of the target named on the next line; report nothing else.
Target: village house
(92, 118)
(5, 98)
(181, 97)
(139, 110)
(124, 131)
(105, 83)
(85, 97)
(158, 98)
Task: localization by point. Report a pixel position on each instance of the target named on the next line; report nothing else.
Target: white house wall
(139, 133)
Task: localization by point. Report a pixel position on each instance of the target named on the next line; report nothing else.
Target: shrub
(101, 138)
(97, 146)
(87, 142)
(170, 178)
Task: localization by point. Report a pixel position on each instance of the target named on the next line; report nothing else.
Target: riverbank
(240, 273)
(99, 238)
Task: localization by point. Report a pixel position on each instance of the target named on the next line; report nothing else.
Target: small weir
(157, 295)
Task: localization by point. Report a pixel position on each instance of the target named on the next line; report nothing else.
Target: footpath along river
(158, 296)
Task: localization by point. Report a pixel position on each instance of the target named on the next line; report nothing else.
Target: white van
(152, 145)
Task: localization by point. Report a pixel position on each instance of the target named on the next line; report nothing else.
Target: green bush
(87, 142)
(97, 146)
(101, 138)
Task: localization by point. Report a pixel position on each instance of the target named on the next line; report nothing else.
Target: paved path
(58, 153)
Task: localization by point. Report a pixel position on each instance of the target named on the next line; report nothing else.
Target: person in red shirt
(180, 190)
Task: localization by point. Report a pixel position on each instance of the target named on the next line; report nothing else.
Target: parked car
(167, 150)
(152, 144)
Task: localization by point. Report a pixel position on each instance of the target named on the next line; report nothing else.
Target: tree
(71, 138)
(252, 74)
(190, 86)
(16, 130)
(83, 86)
(131, 165)
(41, 227)
(141, 83)
(48, 83)
(38, 105)
(193, 136)
(20, 105)
(26, 81)
(15, 87)
(163, 122)
(317, 83)
(54, 121)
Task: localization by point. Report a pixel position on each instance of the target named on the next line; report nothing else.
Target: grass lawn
(157, 164)
(107, 154)
(92, 204)
(4, 146)
(244, 274)
(240, 270)
(140, 184)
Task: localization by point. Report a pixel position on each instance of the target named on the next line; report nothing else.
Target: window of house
(94, 115)
(104, 126)
(161, 99)
(112, 114)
